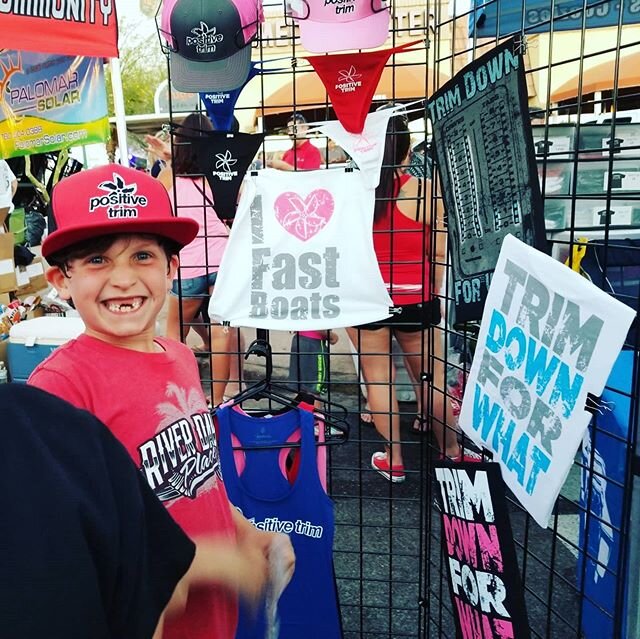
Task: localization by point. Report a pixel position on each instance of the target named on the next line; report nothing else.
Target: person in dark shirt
(87, 548)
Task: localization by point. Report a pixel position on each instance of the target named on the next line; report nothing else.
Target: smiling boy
(113, 252)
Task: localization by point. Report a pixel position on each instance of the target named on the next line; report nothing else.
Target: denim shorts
(195, 286)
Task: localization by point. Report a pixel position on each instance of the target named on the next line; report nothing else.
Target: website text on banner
(499, 19)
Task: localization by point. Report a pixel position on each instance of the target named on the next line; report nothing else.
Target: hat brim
(191, 76)
(180, 230)
(326, 37)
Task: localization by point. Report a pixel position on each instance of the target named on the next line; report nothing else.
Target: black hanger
(335, 421)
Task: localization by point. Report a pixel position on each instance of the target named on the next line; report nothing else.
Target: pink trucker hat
(112, 199)
(338, 25)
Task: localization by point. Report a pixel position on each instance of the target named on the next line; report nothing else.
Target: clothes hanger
(333, 417)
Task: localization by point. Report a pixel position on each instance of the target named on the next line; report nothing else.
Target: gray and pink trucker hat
(210, 42)
(338, 25)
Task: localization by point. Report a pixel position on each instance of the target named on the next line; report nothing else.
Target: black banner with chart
(486, 161)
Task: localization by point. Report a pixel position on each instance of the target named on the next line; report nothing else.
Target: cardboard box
(4, 214)
(37, 279)
(5, 299)
(36, 311)
(23, 286)
(8, 281)
(31, 279)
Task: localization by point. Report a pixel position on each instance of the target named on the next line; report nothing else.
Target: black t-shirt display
(86, 549)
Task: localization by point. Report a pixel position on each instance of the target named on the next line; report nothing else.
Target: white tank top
(300, 254)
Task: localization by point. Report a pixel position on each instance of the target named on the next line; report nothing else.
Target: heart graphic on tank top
(304, 217)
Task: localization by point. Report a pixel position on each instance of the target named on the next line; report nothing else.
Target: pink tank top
(314, 334)
(402, 248)
(203, 255)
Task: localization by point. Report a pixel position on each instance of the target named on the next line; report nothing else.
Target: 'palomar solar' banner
(536, 16)
(69, 27)
(484, 151)
(50, 102)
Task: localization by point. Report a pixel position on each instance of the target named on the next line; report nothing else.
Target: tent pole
(118, 106)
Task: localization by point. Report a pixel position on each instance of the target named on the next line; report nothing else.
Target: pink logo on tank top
(304, 218)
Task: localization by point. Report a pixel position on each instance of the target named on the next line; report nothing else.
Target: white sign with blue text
(548, 337)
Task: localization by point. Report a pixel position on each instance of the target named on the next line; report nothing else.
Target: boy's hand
(249, 536)
(250, 570)
(333, 337)
(286, 556)
(285, 551)
(240, 567)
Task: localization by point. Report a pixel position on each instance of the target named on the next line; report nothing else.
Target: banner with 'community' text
(70, 27)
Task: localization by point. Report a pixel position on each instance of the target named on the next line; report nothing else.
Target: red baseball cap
(112, 199)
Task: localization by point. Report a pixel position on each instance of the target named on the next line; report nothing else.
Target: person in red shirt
(302, 156)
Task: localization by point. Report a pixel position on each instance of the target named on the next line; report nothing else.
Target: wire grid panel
(580, 575)
(389, 566)
(379, 525)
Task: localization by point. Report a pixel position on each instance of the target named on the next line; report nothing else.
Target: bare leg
(202, 331)
(235, 364)
(365, 416)
(418, 361)
(374, 348)
(190, 307)
(220, 360)
(419, 423)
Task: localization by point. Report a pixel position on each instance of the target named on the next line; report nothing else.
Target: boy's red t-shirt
(154, 404)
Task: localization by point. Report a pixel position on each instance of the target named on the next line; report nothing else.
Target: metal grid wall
(579, 574)
(389, 566)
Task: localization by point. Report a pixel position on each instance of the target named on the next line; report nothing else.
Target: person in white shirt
(8, 188)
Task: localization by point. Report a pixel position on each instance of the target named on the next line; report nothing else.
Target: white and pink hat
(340, 25)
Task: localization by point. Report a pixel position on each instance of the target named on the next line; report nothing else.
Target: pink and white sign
(477, 541)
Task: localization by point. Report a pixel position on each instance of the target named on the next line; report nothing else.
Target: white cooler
(34, 340)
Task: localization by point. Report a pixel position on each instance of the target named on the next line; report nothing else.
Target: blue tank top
(309, 605)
